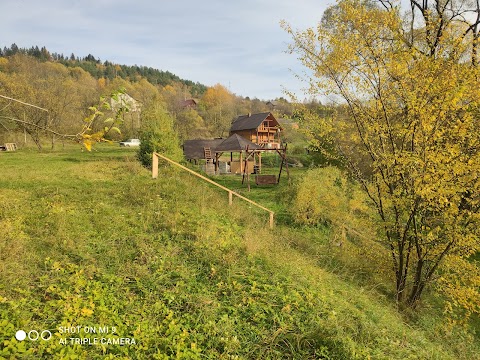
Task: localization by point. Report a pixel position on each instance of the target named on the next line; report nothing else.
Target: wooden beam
(245, 168)
(217, 157)
(284, 160)
(281, 167)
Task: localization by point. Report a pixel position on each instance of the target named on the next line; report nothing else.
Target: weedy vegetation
(90, 239)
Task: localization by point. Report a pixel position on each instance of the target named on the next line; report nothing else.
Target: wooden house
(262, 129)
(272, 105)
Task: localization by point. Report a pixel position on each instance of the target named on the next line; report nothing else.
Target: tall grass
(91, 239)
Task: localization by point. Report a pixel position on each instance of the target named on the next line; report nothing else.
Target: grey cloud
(213, 41)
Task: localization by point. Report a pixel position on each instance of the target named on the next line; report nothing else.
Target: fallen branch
(24, 103)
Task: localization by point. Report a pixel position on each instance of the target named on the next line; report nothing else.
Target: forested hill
(106, 69)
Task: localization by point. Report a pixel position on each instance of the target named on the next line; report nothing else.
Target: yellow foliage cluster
(407, 130)
(3, 62)
(325, 195)
(463, 294)
(92, 132)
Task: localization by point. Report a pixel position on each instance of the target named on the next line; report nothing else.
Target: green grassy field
(165, 269)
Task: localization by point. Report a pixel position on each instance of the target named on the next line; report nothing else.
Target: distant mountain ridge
(106, 69)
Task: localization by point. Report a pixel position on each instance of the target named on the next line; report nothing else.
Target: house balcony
(266, 129)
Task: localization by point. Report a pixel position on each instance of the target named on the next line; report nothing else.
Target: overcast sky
(236, 43)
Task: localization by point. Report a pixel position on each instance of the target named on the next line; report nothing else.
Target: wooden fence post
(154, 166)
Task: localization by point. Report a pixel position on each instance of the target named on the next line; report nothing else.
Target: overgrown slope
(90, 240)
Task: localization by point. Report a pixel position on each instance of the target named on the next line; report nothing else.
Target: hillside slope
(106, 69)
(93, 250)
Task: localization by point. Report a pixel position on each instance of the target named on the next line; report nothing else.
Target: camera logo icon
(33, 335)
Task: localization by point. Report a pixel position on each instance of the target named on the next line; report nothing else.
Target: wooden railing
(231, 193)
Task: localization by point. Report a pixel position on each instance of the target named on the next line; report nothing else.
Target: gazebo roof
(236, 143)
(194, 149)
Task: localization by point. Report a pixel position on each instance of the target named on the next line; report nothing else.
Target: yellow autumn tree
(218, 109)
(409, 134)
(189, 125)
(59, 95)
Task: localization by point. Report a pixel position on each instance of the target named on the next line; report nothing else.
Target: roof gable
(189, 103)
(250, 121)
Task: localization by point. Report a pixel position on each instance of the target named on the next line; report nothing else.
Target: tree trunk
(418, 286)
(35, 137)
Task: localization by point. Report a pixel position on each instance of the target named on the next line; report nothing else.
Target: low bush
(325, 195)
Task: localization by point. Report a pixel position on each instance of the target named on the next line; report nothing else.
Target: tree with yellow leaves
(409, 132)
(218, 104)
(97, 125)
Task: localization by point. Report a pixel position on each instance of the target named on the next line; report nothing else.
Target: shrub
(158, 135)
(325, 195)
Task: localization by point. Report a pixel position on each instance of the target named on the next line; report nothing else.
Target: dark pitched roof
(189, 103)
(272, 103)
(236, 143)
(247, 122)
(194, 149)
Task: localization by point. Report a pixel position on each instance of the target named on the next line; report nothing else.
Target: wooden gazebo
(236, 144)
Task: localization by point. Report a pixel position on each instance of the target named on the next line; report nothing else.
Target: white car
(130, 142)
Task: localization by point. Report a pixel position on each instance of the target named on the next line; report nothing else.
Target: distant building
(125, 100)
(132, 117)
(272, 105)
(189, 103)
(262, 129)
